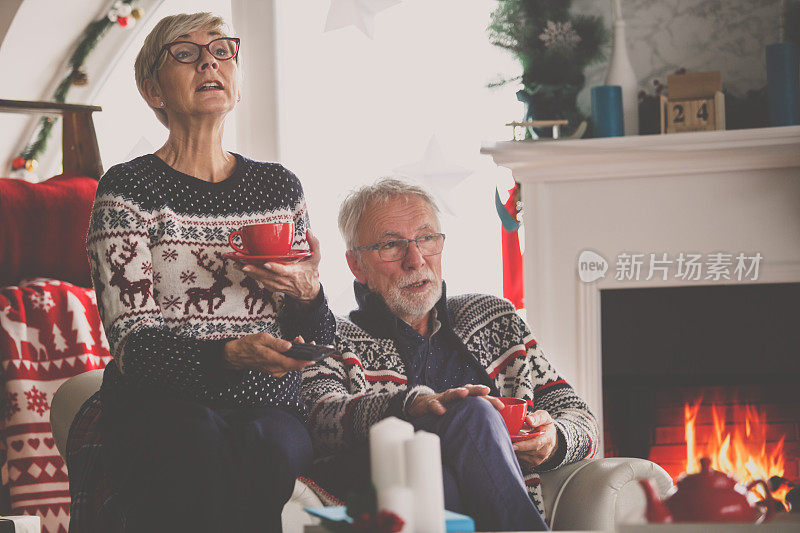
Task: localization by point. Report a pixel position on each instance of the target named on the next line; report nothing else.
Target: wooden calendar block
(678, 116)
(703, 114)
(695, 103)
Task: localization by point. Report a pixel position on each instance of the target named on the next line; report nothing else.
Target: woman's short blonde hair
(355, 205)
(150, 59)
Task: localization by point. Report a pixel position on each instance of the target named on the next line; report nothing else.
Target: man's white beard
(408, 306)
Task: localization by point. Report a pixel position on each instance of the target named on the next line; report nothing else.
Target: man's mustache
(402, 283)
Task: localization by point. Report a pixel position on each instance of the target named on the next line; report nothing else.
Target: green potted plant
(553, 47)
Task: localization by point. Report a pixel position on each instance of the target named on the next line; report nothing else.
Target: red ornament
(122, 21)
(18, 163)
(382, 522)
(389, 522)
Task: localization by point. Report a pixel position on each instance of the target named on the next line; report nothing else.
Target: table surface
(320, 529)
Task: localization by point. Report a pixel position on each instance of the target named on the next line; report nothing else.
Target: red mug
(264, 239)
(513, 413)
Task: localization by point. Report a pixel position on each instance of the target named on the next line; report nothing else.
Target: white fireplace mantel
(703, 193)
(649, 155)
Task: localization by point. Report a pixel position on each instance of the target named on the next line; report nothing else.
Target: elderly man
(409, 351)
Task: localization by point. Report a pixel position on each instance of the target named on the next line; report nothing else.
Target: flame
(741, 453)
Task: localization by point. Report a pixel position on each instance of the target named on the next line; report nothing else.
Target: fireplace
(725, 357)
(701, 193)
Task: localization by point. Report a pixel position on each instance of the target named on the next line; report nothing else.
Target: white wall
(257, 112)
(353, 109)
(8, 9)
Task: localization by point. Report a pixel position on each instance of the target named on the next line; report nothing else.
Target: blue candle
(607, 111)
(783, 84)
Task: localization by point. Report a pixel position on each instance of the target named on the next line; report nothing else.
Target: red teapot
(708, 496)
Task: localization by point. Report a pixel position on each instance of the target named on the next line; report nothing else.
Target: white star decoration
(436, 173)
(358, 13)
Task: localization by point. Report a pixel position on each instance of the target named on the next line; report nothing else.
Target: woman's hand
(537, 450)
(264, 353)
(297, 280)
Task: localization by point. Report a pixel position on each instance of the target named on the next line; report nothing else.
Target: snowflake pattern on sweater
(168, 297)
(347, 393)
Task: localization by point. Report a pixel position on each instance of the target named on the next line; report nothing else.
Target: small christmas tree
(59, 342)
(553, 47)
(80, 324)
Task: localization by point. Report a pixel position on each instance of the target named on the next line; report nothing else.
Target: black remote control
(309, 352)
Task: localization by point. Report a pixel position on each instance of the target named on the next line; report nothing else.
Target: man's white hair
(357, 202)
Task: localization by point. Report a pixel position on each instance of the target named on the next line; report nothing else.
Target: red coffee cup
(264, 239)
(513, 413)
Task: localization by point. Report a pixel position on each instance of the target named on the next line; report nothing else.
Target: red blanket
(49, 331)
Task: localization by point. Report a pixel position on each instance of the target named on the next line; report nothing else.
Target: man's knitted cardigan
(347, 393)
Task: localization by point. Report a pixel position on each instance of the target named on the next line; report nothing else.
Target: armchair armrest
(68, 400)
(597, 494)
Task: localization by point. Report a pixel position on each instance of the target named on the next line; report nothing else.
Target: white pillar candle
(424, 478)
(399, 500)
(386, 452)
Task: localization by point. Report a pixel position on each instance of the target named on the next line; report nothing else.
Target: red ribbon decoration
(513, 278)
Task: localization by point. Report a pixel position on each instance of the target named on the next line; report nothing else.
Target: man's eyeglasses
(223, 49)
(396, 249)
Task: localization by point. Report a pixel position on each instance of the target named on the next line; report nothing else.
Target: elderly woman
(199, 417)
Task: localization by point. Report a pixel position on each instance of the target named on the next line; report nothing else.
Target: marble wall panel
(699, 35)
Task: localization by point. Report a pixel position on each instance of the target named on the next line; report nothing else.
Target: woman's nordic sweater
(169, 299)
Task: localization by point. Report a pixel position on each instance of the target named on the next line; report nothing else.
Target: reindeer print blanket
(167, 296)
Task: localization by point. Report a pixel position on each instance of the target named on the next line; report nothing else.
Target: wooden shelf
(81, 154)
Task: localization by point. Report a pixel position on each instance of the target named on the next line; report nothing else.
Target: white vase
(620, 72)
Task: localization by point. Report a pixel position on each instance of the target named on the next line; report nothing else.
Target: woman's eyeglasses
(223, 49)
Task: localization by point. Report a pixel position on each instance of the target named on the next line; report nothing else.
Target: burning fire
(741, 454)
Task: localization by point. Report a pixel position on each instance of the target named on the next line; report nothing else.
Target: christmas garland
(121, 14)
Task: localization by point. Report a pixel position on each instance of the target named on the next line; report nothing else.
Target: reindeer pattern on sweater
(167, 294)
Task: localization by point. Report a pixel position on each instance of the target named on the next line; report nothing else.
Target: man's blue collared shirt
(440, 361)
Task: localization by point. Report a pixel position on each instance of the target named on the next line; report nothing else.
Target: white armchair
(594, 494)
